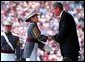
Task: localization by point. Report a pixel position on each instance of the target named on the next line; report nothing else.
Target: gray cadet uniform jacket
(33, 34)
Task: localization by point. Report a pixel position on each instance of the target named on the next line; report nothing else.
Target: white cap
(7, 22)
(32, 13)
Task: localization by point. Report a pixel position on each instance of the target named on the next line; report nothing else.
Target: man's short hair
(57, 4)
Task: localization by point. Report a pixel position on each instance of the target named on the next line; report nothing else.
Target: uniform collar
(8, 33)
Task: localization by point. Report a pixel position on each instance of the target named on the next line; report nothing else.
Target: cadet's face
(35, 19)
(7, 28)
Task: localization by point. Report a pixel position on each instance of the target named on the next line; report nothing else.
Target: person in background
(9, 43)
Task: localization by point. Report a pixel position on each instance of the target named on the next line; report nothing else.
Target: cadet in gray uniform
(33, 35)
(9, 42)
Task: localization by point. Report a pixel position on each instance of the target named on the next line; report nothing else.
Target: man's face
(56, 11)
(8, 28)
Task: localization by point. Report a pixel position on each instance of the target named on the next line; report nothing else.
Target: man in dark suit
(67, 36)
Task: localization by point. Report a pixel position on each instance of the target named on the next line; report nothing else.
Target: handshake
(43, 39)
(50, 37)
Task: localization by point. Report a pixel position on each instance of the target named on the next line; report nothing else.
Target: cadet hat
(32, 13)
(7, 22)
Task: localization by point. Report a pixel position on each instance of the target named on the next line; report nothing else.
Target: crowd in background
(16, 11)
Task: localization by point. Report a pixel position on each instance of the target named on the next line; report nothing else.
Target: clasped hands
(50, 37)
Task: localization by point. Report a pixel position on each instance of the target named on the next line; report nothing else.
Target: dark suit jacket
(67, 36)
